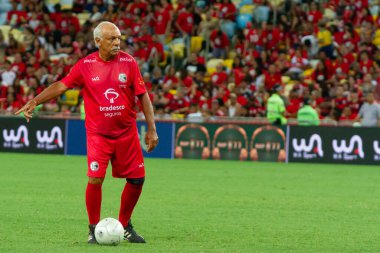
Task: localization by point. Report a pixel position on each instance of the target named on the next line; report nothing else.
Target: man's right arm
(52, 91)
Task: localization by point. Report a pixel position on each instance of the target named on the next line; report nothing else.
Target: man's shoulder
(91, 58)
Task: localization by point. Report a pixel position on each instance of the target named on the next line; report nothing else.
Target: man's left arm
(151, 137)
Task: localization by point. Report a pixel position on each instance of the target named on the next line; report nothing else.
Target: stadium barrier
(221, 141)
(217, 141)
(333, 145)
(60, 136)
(38, 136)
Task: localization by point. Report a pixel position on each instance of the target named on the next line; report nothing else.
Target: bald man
(110, 80)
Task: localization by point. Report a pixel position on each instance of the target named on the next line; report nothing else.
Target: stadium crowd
(204, 58)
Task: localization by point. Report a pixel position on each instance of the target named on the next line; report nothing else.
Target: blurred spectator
(307, 115)
(233, 106)
(219, 42)
(162, 19)
(325, 42)
(8, 75)
(271, 77)
(194, 112)
(276, 107)
(369, 114)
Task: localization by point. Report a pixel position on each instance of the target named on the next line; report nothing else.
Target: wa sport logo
(308, 150)
(352, 151)
(16, 139)
(376, 149)
(50, 141)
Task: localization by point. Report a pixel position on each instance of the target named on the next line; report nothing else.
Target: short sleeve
(74, 78)
(138, 81)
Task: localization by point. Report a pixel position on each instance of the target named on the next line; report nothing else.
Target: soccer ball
(109, 231)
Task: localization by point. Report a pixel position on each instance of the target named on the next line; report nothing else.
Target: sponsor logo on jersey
(16, 140)
(376, 149)
(49, 141)
(111, 108)
(310, 150)
(94, 166)
(123, 77)
(111, 95)
(126, 59)
(350, 152)
(94, 79)
(89, 61)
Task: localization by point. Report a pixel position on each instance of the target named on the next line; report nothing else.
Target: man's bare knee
(96, 180)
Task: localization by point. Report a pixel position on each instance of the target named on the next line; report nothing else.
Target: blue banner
(165, 147)
(76, 138)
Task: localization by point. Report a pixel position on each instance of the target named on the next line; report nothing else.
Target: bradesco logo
(350, 152)
(111, 95)
(310, 150)
(49, 141)
(376, 149)
(16, 139)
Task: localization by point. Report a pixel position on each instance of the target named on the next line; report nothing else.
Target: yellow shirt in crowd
(324, 38)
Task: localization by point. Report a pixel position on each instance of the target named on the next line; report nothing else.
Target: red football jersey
(109, 90)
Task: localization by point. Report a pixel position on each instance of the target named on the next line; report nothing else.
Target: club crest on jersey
(122, 77)
(94, 166)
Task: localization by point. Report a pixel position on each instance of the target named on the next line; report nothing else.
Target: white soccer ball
(109, 231)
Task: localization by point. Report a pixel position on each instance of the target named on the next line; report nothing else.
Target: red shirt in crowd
(365, 66)
(158, 48)
(109, 90)
(219, 78)
(178, 103)
(314, 16)
(185, 21)
(161, 21)
(16, 15)
(341, 103)
(271, 80)
(138, 8)
(228, 11)
(219, 41)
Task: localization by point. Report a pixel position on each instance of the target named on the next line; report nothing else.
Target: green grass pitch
(195, 206)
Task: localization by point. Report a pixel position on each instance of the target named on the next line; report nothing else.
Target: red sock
(129, 198)
(93, 202)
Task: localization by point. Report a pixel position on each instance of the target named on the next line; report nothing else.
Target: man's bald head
(103, 26)
(107, 38)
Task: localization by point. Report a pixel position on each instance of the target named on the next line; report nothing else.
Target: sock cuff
(134, 186)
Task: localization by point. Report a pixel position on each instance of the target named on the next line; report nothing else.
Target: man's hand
(28, 109)
(151, 140)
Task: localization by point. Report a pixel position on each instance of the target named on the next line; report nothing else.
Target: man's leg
(129, 198)
(93, 204)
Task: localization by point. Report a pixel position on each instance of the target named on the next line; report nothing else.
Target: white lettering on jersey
(126, 59)
(89, 61)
